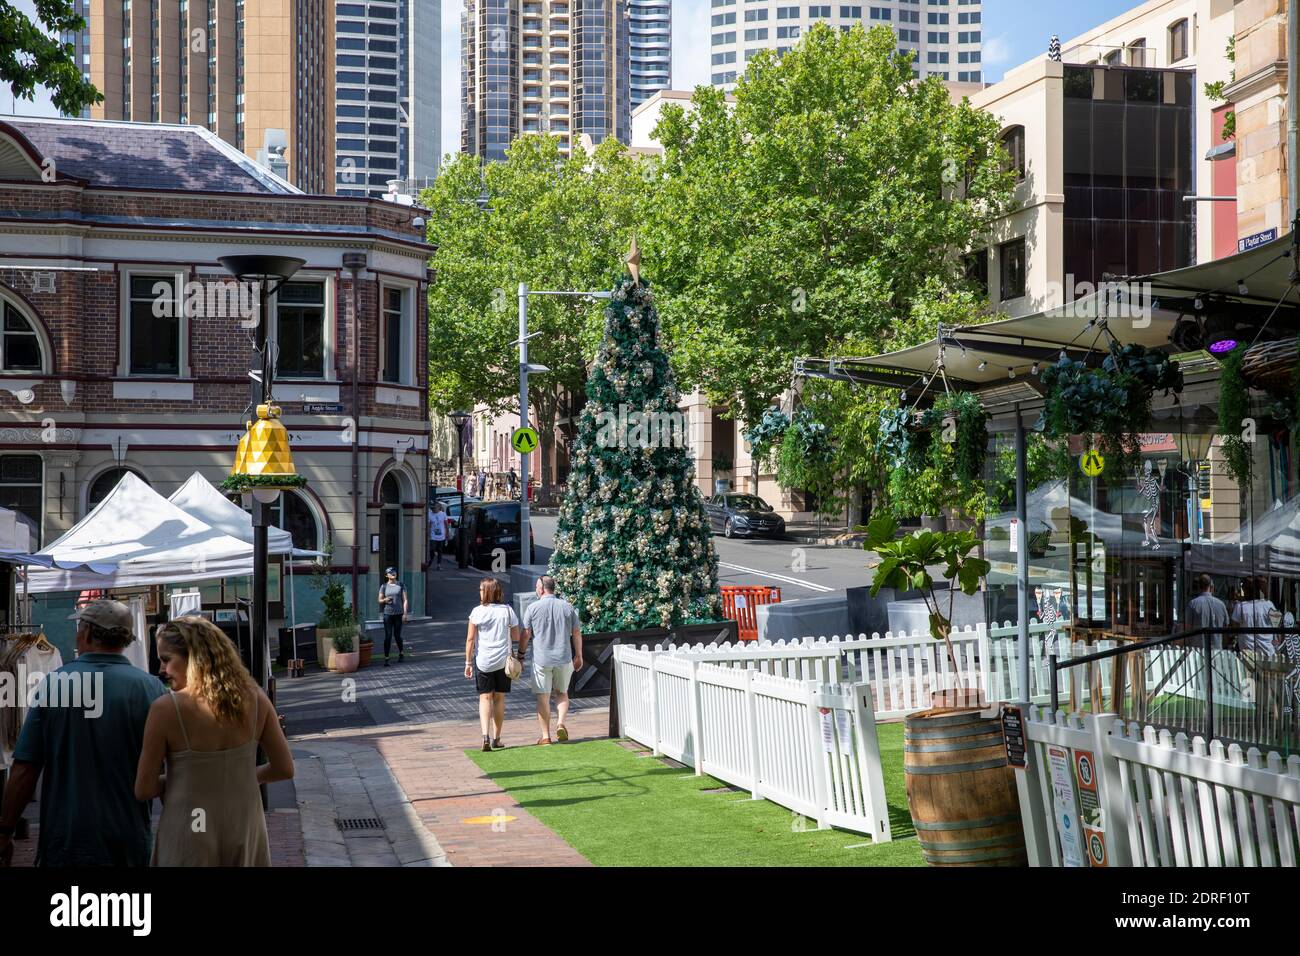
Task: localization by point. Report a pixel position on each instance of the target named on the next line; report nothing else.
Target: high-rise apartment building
(652, 48)
(556, 66)
(388, 107)
(945, 36)
(258, 73)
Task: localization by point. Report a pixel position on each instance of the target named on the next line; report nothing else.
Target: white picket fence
(808, 745)
(903, 670)
(1164, 800)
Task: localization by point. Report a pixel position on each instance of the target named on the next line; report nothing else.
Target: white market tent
(137, 537)
(199, 498)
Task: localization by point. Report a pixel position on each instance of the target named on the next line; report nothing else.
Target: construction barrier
(740, 604)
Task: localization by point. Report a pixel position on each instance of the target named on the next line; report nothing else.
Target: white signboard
(1015, 535)
(1063, 805)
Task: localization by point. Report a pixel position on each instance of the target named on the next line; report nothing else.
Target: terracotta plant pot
(345, 663)
(367, 648)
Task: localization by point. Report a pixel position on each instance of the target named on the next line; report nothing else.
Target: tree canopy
(538, 217)
(32, 56)
(824, 212)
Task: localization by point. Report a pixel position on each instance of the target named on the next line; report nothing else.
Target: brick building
(98, 220)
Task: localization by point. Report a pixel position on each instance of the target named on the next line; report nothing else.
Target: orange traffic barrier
(740, 604)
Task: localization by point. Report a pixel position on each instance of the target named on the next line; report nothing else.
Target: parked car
(737, 514)
(444, 494)
(487, 526)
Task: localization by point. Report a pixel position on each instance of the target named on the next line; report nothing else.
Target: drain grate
(360, 823)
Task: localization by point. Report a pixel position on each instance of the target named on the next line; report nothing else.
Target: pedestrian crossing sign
(524, 440)
(1092, 462)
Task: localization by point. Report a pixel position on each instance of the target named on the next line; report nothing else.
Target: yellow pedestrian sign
(524, 440)
(1092, 462)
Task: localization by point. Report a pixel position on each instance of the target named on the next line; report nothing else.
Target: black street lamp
(460, 420)
(270, 272)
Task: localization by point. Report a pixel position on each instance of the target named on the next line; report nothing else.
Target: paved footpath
(381, 775)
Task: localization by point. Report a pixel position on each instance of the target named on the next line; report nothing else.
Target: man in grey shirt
(1205, 610)
(551, 626)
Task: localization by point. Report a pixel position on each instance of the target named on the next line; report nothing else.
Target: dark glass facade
(1128, 162)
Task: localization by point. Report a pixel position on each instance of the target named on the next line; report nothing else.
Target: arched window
(105, 483)
(20, 350)
(298, 519)
(390, 521)
(1114, 58)
(1013, 141)
(390, 490)
(1178, 46)
(1137, 52)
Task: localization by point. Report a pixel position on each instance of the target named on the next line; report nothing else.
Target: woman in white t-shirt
(1255, 610)
(493, 632)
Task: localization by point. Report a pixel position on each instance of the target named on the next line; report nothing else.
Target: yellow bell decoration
(264, 449)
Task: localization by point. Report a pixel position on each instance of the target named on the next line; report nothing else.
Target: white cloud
(997, 50)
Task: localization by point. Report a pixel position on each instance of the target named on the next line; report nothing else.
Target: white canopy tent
(137, 537)
(199, 498)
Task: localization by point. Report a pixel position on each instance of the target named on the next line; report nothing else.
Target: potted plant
(961, 793)
(345, 659)
(338, 620)
(722, 465)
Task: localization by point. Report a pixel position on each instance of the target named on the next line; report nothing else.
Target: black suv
(486, 526)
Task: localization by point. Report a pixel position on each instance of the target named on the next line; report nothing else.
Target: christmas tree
(634, 548)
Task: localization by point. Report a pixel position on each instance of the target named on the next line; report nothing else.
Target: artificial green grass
(619, 808)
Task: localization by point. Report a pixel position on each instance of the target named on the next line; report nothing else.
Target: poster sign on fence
(1013, 734)
(1096, 840)
(1063, 805)
(1085, 770)
(828, 730)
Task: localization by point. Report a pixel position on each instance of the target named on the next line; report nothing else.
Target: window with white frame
(394, 326)
(155, 325)
(300, 330)
(20, 350)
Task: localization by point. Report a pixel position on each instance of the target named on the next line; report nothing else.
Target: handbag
(514, 667)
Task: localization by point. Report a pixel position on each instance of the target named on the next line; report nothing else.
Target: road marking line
(778, 577)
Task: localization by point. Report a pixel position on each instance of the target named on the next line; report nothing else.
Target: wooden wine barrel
(961, 791)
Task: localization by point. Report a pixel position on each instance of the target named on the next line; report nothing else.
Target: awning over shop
(137, 537)
(998, 358)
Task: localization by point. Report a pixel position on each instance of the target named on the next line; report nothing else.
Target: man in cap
(84, 733)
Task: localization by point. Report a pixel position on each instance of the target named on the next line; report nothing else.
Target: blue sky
(1014, 31)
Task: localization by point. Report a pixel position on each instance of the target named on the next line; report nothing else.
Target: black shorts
(492, 682)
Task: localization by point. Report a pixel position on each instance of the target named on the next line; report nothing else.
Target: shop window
(21, 350)
(300, 330)
(1178, 41)
(1011, 261)
(392, 332)
(154, 326)
(1013, 141)
(20, 485)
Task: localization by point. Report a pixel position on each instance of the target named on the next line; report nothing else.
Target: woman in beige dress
(207, 731)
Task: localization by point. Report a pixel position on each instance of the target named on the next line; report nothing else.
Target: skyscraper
(944, 35)
(652, 48)
(388, 104)
(258, 74)
(557, 66)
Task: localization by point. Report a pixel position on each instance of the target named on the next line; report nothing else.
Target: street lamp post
(263, 270)
(526, 369)
(459, 419)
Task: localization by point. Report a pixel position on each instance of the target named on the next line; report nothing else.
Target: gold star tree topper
(634, 261)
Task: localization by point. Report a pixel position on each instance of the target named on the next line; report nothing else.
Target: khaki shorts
(548, 679)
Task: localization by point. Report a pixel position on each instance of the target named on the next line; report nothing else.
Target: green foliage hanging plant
(807, 455)
(766, 437)
(1234, 409)
(1111, 403)
(937, 461)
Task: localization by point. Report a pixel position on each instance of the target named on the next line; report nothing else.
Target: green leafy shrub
(766, 437)
(338, 613)
(1234, 409)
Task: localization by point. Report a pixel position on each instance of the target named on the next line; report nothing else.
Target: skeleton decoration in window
(1048, 614)
(1149, 488)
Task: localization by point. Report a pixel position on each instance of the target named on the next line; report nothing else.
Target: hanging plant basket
(1270, 366)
